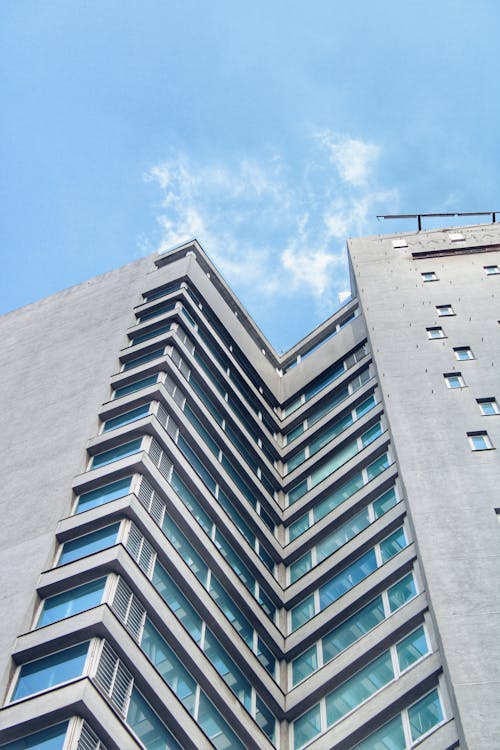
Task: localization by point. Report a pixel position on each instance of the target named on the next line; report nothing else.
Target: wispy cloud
(275, 229)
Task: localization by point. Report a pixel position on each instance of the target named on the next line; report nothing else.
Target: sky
(270, 130)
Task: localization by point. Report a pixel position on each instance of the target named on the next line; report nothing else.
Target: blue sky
(270, 130)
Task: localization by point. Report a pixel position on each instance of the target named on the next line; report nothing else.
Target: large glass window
(114, 454)
(425, 714)
(135, 386)
(147, 726)
(52, 670)
(389, 737)
(126, 418)
(51, 738)
(104, 494)
(89, 543)
(71, 602)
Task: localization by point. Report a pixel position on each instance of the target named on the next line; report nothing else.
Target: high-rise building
(207, 545)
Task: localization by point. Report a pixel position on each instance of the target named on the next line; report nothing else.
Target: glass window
(479, 441)
(300, 567)
(435, 333)
(412, 648)
(383, 503)
(392, 545)
(488, 406)
(304, 665)
(425, 714)
(370, 435)
(306, 727)
(337, 459)
(491, 270)
(147, 726)
(168, 665)
(429, 276)
(347, 579)
(160, 310)
(463, 352)
(51, 738)
(139, 338)
(215, 727)
(454, 380)
(135, 386)
(89, 543)
(303, 612)
(401, 592)
(228, 670)
(375, 468)
(162, 291)
(126, 418)
(359, 688)
(352, 629)
(71, 602)
(177, 602)
(52, 670)
(443, 310)
(114, 454)
(265, 719)
(136, 361)
(104, 494)
(389, 737)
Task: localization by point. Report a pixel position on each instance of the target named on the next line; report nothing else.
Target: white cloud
(353, 158)
(275, 230)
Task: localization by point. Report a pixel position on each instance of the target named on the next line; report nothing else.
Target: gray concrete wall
(58, 355)
(452, 491)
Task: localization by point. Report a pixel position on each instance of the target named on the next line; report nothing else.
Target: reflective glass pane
(297, 492)
(370, 435)
(135, 386)
(306, 727)
(147, 726)
(144, 358)
(51, 738)
(103, 495)
(401, 592)
(344, 581)
(336, 498)
(114, 454)
(300, 567)
(302, 612)
(339, 458)
(71, 602)
(227, 605)
(265, 719)
(359, 688)
(425, 714)
(412, 648)
(177, 602)
(51, 670)
(383, 503)
(228, 670)
(215, 727)
(298, 527)
(392, 545)
(89, 543)
(168, 665)
(126, 418)
(347, 531)
(304, 665)
(390, 737)
(352, 629)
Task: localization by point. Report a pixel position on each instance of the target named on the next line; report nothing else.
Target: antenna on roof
(418, 217)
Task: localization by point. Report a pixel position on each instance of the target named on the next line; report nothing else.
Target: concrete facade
(268, 503)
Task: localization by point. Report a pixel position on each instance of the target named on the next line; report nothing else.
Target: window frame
(439, 329)
(494, 272)
(489, 400)
(463, 349)
(448, 376)
(487, 444)
(445, 311)
(432, 274)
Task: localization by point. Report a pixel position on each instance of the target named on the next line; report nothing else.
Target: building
(205, 544)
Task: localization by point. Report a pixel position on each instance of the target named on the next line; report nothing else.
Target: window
(89, 543)
(454, 380)
(126, 418)
(443, 310)
(491, 270)
(105, 494)
(479, 441)
(429, 276)
(425, 714)
(463, 352)
(488, 406)
(71, 602)
(114, 454)
(435, 333)
(51, 738)
(51, 670)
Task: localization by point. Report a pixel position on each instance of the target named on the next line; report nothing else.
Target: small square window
(454, 380)
(479, 441)
(456, 236)
(399, 243)
(443, 310)
(435, 333)
(491, 270)
(429, 276)
(463, 352)
(488, 406)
